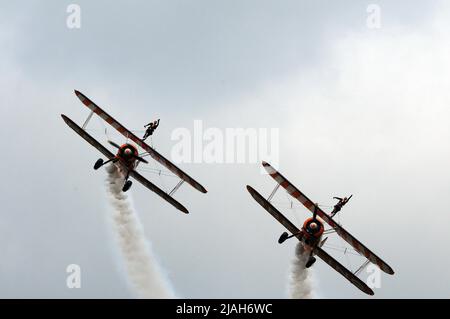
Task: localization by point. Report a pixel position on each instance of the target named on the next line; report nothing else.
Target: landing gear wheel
(283, 238)
(127, 186)
(98, 164)
(310, 262)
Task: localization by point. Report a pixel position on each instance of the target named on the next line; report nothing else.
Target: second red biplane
(313, 228)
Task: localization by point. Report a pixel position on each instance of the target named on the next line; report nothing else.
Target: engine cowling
(313, 228)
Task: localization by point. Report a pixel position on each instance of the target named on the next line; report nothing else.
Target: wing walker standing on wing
(151, 127)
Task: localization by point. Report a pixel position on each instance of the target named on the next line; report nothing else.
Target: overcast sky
(360, 111)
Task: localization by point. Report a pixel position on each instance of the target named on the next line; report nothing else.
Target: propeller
(315, 211)
(114, 144)
(285, 236)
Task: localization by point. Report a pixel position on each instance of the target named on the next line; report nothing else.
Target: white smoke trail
(144, 273)
(301, 280)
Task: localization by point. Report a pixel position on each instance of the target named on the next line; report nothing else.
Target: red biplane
(127, 157)
(313, 228)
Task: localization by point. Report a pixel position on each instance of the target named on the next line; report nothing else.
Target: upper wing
(273, 211)
(343, 271)
(141, 179)
(125, 132)
(134, 174)
(356, 244)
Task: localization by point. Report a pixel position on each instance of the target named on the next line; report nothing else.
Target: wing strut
(273, 193)
(176, 187)
(87, 120)
(363, 266)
